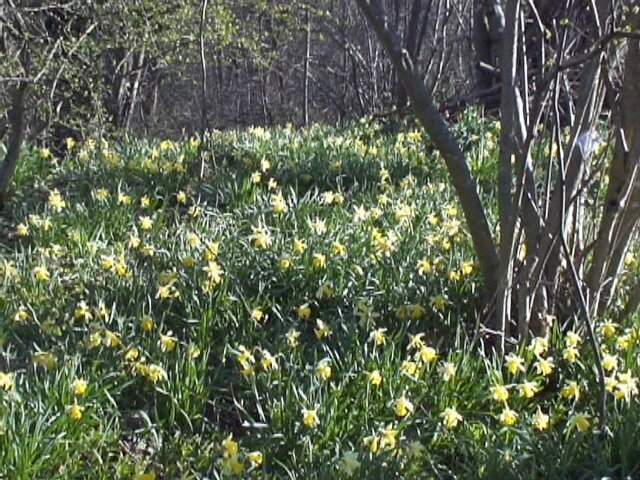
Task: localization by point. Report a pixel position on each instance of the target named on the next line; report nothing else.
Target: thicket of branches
(562, 77)
(137, 65)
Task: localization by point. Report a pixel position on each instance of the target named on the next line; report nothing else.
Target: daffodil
(514, 363)
(285, 263)
(626, 387)
(22, 230)
(82, 312)
(545, 366)
(319, 261)
(318, 226)
(76, 412)
(439, 302)
(580, 421)
(448, 371)
(193, 240)
(304, 311)
(424, 266)
(450, 417)
(338, 249)
(79, 387)
(540, 420)
(156, 374)
(466, 268)
(410, 368)
(124, 199)
(387, 439)
(132, 354)
(609, 362)
(323, 370)
(500, 393)
(261, 237)
(293, 338)
(229, 446)
(21, 314)
(278, 204)
(111, 339)
(324, 291)
(147, 323)
(508, 417)
(378, 337)
(570, 354)
(623, 341)
(41, 274)
(299, 246)
(211, 251)
(416, 341)
(427, 354)
(373, 442)
(244, 355)
(572, 339)
(608, 329)
(349, 463)
(571, 391)
(55, 201)
(375, 378)
(310, 417)
(403, 407)
(214, 272)
(327, 197)
(6, 381)
(322, 330)
(255, 458)
(146, 223)
(528, 389)
(231, 465)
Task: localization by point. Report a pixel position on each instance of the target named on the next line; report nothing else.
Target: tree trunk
(305, 92)
(411, 49)
(17, 122)
(133, 97)
(204, 120)
(488, 28)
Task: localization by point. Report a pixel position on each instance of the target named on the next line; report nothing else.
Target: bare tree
(551, 219)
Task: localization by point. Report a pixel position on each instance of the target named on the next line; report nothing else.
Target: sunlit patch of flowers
(291, 311)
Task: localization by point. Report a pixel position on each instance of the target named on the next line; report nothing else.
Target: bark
(507, 152)
(436, 128)
(17, 122)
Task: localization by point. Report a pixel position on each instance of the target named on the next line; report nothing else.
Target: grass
(308, 311)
